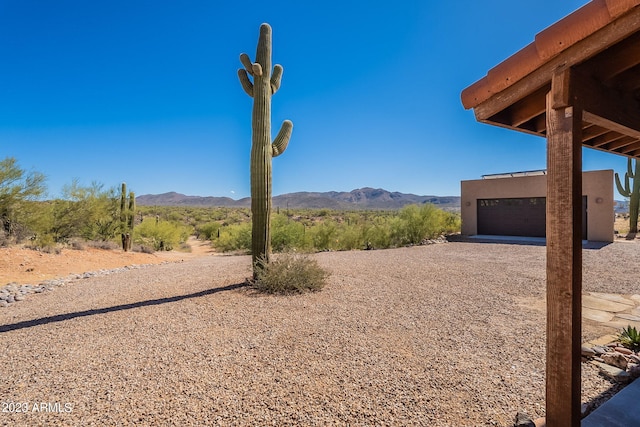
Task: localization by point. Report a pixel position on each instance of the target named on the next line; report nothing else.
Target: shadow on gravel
(69, 316)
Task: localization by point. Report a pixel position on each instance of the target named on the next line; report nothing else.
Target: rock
(19, 297)
(540, 422)
(615, 359)
(612, 372)
(623, 350)
(3, 303)
(634, 370)
(11, 299)
(523, 420)
(588, 352)
(599, 349)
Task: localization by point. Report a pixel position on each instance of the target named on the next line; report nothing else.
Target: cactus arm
(248, 65)
(624, 191)
(282, 139)
(630, 169)
(276, 77)
(245, 82)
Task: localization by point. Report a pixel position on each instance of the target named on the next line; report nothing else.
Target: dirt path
(23, 265)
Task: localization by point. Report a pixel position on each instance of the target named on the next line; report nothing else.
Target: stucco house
(514, 204)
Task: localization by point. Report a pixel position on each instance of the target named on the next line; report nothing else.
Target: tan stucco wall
(596, 185)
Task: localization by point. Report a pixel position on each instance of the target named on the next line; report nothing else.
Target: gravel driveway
(441, 335)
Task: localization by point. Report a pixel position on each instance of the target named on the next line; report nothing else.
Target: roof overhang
(599, 44)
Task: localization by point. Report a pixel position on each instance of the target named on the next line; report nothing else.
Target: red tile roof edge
(547, 44)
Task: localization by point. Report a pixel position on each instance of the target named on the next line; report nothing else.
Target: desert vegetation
(93, 213)
(82, 213)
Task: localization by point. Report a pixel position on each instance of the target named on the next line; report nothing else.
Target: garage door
(518, 217)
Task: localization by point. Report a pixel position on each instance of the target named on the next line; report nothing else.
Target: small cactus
(127, 216)
(264, 85)
(632, 192)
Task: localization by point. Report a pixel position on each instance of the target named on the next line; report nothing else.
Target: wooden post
(564, 254)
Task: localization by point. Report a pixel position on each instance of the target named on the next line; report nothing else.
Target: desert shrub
(142, 249)
(235, 237)
(290, 273)
(415, 223)
(208, 231)
(286, 234)
(103, 244)
(160, 235)
(324, 236)
(44, 243)
(77, 245)
(350, 236)
(377, 235)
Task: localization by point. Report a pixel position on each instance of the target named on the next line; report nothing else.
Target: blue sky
(147, 92)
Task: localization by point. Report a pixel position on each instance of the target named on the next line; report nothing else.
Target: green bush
(208, 231)
(290, 273)
(324, 236)
(350, 237)
(235, 237)
(45, 243)
(161, 235)
(415, 223)
(287, 234)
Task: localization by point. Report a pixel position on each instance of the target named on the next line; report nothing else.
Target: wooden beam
(591, 131)
(579, 52)
(521, 112)
(608, 138)
(606, 119)
(619, 143)
(603, 106)
(630, 148)
(564, 258)
(614, 61)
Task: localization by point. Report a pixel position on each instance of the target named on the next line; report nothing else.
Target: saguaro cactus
(265, 84)
(127, 216)
(632, 192)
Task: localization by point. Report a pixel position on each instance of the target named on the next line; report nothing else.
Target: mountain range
(362, 198)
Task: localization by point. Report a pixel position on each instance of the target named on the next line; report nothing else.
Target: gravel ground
(441, 335)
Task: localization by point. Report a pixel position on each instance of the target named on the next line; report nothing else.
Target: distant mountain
(176, 199)
(363, 198)
(621, 206)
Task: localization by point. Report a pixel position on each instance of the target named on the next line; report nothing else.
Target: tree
(17, 189)
(89, 212)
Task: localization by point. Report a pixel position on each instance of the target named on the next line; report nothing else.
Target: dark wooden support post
(564, 253)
